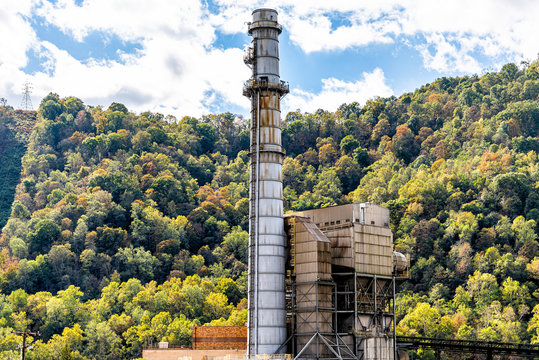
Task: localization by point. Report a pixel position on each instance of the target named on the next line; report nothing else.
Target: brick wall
(220, 337)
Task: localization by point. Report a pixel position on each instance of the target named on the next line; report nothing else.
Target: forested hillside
(127, 228)
(15, 129)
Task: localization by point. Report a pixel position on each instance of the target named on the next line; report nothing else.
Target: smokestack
(267, 242)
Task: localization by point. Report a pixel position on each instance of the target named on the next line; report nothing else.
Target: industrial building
(342, 274)
(321, 282)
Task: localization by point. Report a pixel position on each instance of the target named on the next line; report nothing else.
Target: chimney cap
(264, 9)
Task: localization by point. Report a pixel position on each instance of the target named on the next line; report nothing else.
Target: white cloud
(178, 69)
(335, 92)
(466, 28)
(173, 72)
(16, 40)
(447, 55)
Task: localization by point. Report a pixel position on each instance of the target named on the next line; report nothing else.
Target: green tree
(136, 263)
(45, 233)
(236, 242)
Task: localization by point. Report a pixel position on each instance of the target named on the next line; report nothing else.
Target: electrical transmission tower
(26, 103)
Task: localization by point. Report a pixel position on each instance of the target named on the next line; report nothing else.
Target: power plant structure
(267, 241)
(321, 282)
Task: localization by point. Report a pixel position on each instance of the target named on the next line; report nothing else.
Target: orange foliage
(435, 97)
(494, 163)
(401, 130)
(506, 160)
(458, 320)
(149, 168)
(204, 192)
(513, 128)
(77, 137)
(82, 200)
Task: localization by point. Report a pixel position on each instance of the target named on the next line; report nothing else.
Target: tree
(216, 306)
(118, 107)
(136, 263)
(141, 141)
(62, 262)
(102, 342)
(349, 144)
(110, 239)
(423, 320)
(327, 154)
(236, 242)
(329, 185)
(482, 288)
(50, 109)
(63, 311)
(404, 144)
(348, 172)
(73, 105)
(509, 71)
(513, 293)
(45, 233)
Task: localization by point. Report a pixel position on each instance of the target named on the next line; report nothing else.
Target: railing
(468, 346)
(262, 23)
(253, 84)
(249, 55)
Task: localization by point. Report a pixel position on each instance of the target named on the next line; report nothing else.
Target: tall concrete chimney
(267, 242)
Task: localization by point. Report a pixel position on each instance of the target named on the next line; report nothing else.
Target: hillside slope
(139, 220)
(15, 128)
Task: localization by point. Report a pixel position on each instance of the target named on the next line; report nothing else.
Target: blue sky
(184, 57)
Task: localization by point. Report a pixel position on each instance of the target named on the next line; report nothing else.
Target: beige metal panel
(364, 213)
(306, 258)
(345, 262)
(312, 264)
(373, 249)
(304, 247)
(371, 214)
(356, 243)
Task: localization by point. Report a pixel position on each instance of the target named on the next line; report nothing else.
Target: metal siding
(267, 242)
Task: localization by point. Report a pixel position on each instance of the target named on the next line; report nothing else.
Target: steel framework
(26, 103)
(315, 340)
(362, 307)
(470, 346)
(365, 308)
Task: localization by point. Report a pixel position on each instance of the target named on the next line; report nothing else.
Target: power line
(26, 103)
(23, 346)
